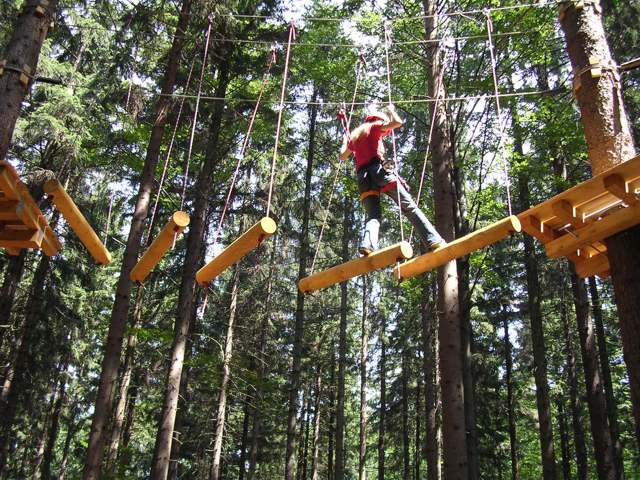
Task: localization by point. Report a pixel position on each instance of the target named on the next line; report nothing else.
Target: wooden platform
(575, 223)
(375, 261)
(460, 247)
(22, 224)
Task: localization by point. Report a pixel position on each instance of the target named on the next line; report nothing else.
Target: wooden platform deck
(22, 224)
(575, 223)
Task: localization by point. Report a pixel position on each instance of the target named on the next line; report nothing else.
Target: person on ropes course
(376, 175)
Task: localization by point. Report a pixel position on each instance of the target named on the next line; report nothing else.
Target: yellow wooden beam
(238, 249)
(374, 261)
(459, 248)
(174, 227)
(8, 182)
(77, 222)
(593, 266)
(8, 210)
(593, 232)
(616, 185)
(13, 239)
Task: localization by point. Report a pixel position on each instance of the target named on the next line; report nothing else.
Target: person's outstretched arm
(344, 150)
(394, 119)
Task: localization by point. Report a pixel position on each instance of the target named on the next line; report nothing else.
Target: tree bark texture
(431, 402)
(23, 49)
(596, 400)
(609, 143)
(382, 415)
(342, 346)
(120, 311)
(454, 430)
(294, 385)
(187, 293)
(564, 441)
(406, 444)
(574, 395)
(221, 414)
(603, 356)
(511, 407)
(364, 353)
(315, 456)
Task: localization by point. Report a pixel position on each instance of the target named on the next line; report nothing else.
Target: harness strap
(368, 193)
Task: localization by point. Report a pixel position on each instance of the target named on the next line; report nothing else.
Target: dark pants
(375, 178)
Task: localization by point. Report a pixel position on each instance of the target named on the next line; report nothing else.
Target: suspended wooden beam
(238, 249)
(458, 248)
(174, 227)
(22, 224)
(596, 265)
(359, 266)
(77, 222)
(611, 224)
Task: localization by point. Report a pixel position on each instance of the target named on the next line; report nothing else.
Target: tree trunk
(127, 370)
(453, 408)
(120, 311)
(187, 294)
(331, 431)
(430, 367)
(603, 355)
(303, 413)
(305, 451)
(342, 346)
(574, 395)
(564, 441)
(261, 370)
(52, 435)
(364, 353)
(596, 401)
(244, 439)
(220, 419)
(10, 283)
(23, 49)
(609, 143)
(406, 444)
(294, 385)
(14, 379)
(382, 416)
(316, 426)
(511, 407)
(417, 459)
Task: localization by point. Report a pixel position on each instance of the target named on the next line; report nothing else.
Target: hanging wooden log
(458, 248)
(374, 261)
(238, 249)
(77, 222)
(163, 242)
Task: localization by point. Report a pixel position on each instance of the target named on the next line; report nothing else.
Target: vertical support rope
(292, 36)
(345, 125)
(195, 113)
(245, 144)
(168, 157)
(505, 169)
(387, 41)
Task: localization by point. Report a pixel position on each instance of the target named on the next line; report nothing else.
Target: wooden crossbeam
(238, 249)
(10, 238)
(459, 248)
(568, 213)
(77, 221)
(596, 265)
(374, 261)
(616, 185)
(8, 211)
(611, 224)
(174, 227)
(8, 182)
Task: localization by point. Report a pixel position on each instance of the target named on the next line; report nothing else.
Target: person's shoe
(436, 246)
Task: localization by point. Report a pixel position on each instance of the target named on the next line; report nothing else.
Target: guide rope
(345, 123)
(501, 143)
(195, 112)
(291, 39)
(387, 42)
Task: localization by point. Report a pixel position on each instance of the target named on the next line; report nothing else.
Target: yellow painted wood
(163, 242)
(615, 184)
(597, 265)
(590, 198)
(77, 222)
(374, 261)
(10, 238)
(238, 249)
(596, 231)
(459, 248)
(8, 211)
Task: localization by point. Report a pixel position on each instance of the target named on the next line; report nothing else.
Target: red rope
(245, 143)
(292, 36)
(195, 113)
